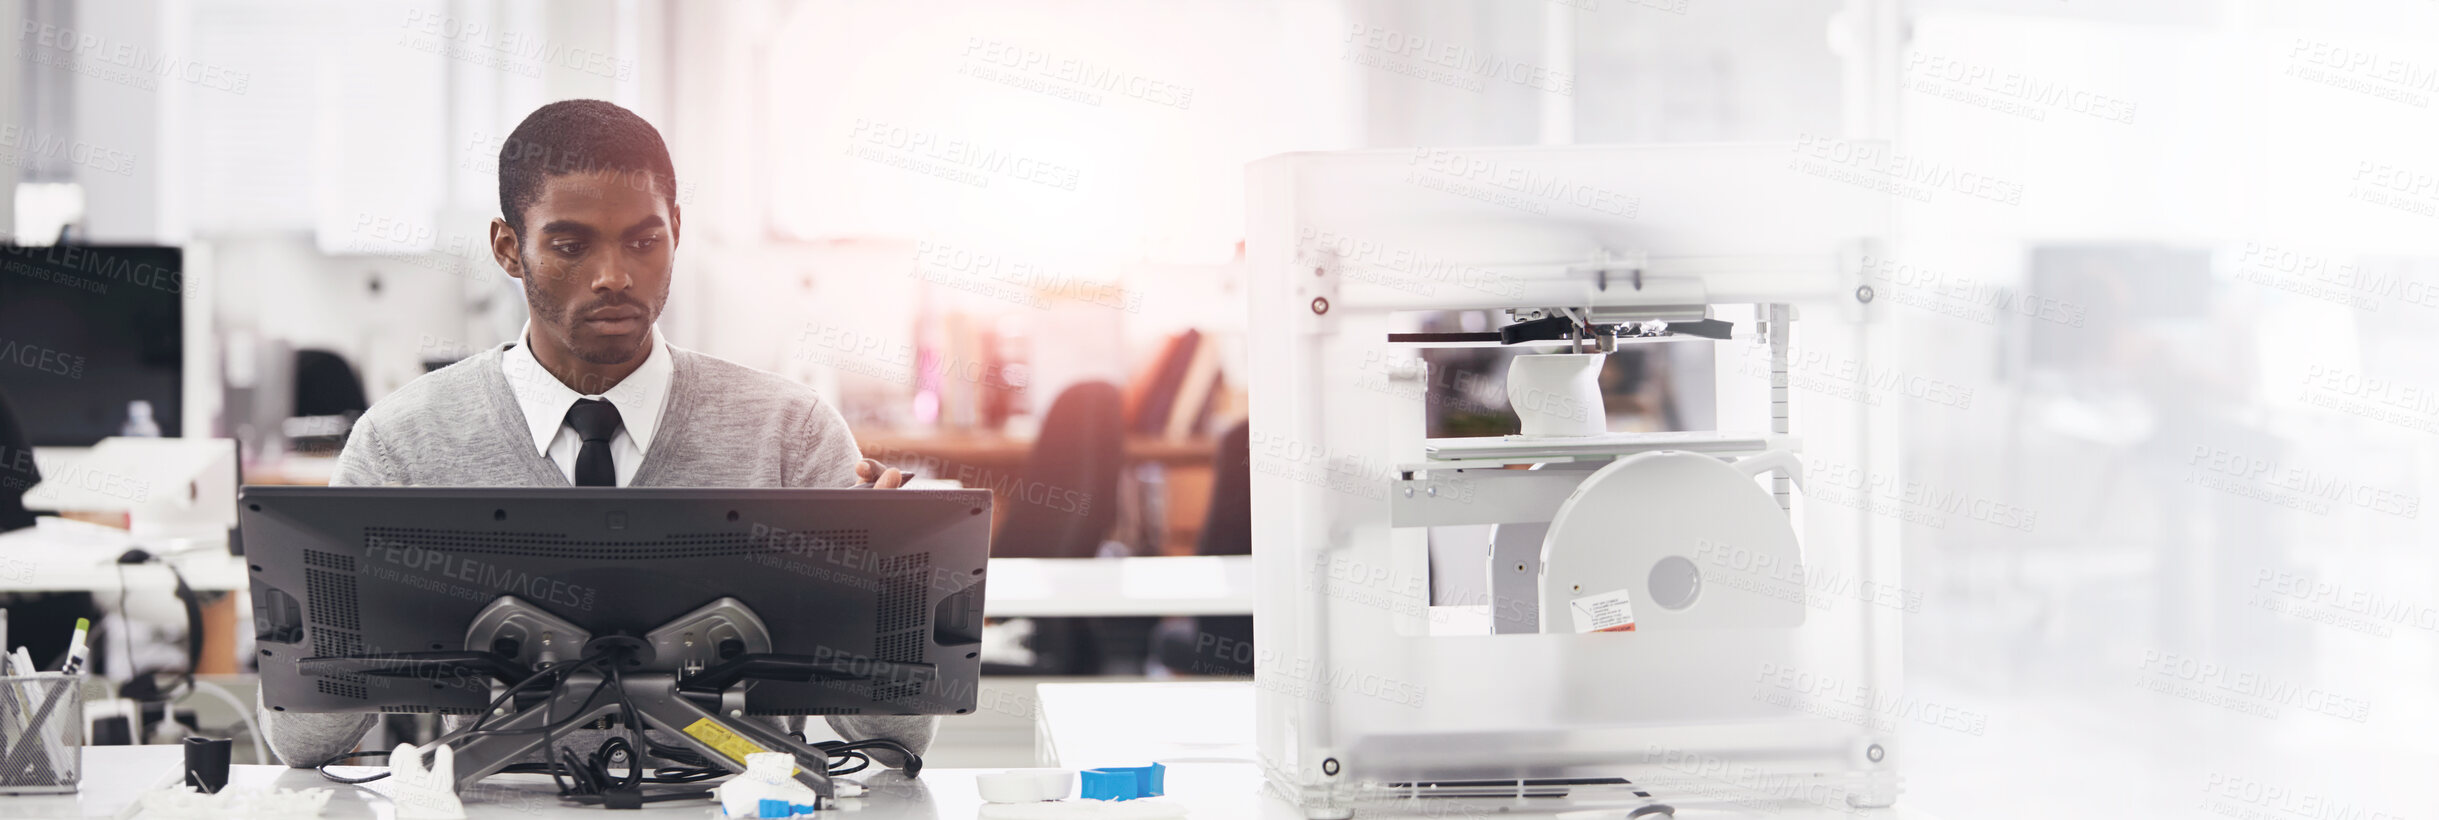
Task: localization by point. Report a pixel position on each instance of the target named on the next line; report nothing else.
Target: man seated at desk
(590, 395)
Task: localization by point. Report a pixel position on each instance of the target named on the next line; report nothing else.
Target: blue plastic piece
(1155, 780)
(1108, 784)
(803, 808)
(770, 809)
(1125, 782)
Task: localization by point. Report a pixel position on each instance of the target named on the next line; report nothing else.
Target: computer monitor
(882, 590)
(86, 329)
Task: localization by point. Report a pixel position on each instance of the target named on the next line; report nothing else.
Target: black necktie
(596, 421)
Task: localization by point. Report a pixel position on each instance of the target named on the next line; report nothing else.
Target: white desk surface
(1209, 790)
(1200, 721)
(1208, 727)
(115, 775)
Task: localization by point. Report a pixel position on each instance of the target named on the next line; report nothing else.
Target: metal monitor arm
(686, 678)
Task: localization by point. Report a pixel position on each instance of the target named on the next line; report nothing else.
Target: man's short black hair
(571, 136)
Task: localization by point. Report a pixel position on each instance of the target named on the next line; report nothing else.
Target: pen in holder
(42, 722)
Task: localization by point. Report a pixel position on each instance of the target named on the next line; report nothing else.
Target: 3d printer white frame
(1357, 700)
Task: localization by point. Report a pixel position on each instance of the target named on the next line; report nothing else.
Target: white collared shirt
(545, 399)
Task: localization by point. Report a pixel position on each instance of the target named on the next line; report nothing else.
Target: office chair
(1069, 490)
(17, 473)
(326, 385)
(328, 392)
(41, 621)
(1227, 530)
(1065, 504)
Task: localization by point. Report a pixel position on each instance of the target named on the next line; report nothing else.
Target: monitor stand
(685, 678)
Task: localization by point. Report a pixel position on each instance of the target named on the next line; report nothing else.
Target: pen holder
(42, 728)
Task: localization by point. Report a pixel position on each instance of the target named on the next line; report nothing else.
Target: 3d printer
(1670, 620)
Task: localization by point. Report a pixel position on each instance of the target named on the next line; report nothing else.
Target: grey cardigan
(723, 425)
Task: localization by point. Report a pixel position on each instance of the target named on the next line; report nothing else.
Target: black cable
(547, 740)
(194, 621)
(593, 780)
(604, 757)
(475, 729)
(690, 762)
(628, 717)
(854, 749)
(187, 598)
(324, 768)
(568, 667)
(552, 726)
(862, 762)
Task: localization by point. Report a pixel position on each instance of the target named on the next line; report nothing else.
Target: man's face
(596, 257)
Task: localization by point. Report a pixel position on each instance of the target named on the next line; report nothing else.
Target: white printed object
(182, 802)
(421, 793)
(768, 776)
(1557, 394)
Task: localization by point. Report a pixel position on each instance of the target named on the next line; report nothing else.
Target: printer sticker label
(1607, 612)
(729, 743)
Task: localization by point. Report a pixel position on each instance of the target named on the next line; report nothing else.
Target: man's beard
(592, 349)
(609, 350)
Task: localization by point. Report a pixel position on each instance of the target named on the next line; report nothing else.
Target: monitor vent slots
(339, 561)
(333, 642)
(337, 685)
(556, 545)
(901, 646)
(898, 622)
(330, 603)
(817, 711)
(330, 598)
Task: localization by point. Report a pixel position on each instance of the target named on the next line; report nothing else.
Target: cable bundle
(595, 779)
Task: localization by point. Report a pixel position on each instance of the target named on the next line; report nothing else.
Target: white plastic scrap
(424, 794)
(768, 776)
(182, 802)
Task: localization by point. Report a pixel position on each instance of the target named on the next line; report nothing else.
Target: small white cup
(1558, 394)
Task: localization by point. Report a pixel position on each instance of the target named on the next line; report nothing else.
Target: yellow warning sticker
(718, 737)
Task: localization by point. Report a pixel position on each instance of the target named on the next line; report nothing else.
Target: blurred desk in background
(1183, 470)
(34, 559)
(80, 558)
(993, 462)
(1009, 452)
(294, 471)
(1119, 587)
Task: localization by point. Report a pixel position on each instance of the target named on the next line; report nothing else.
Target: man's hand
(871, 473)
